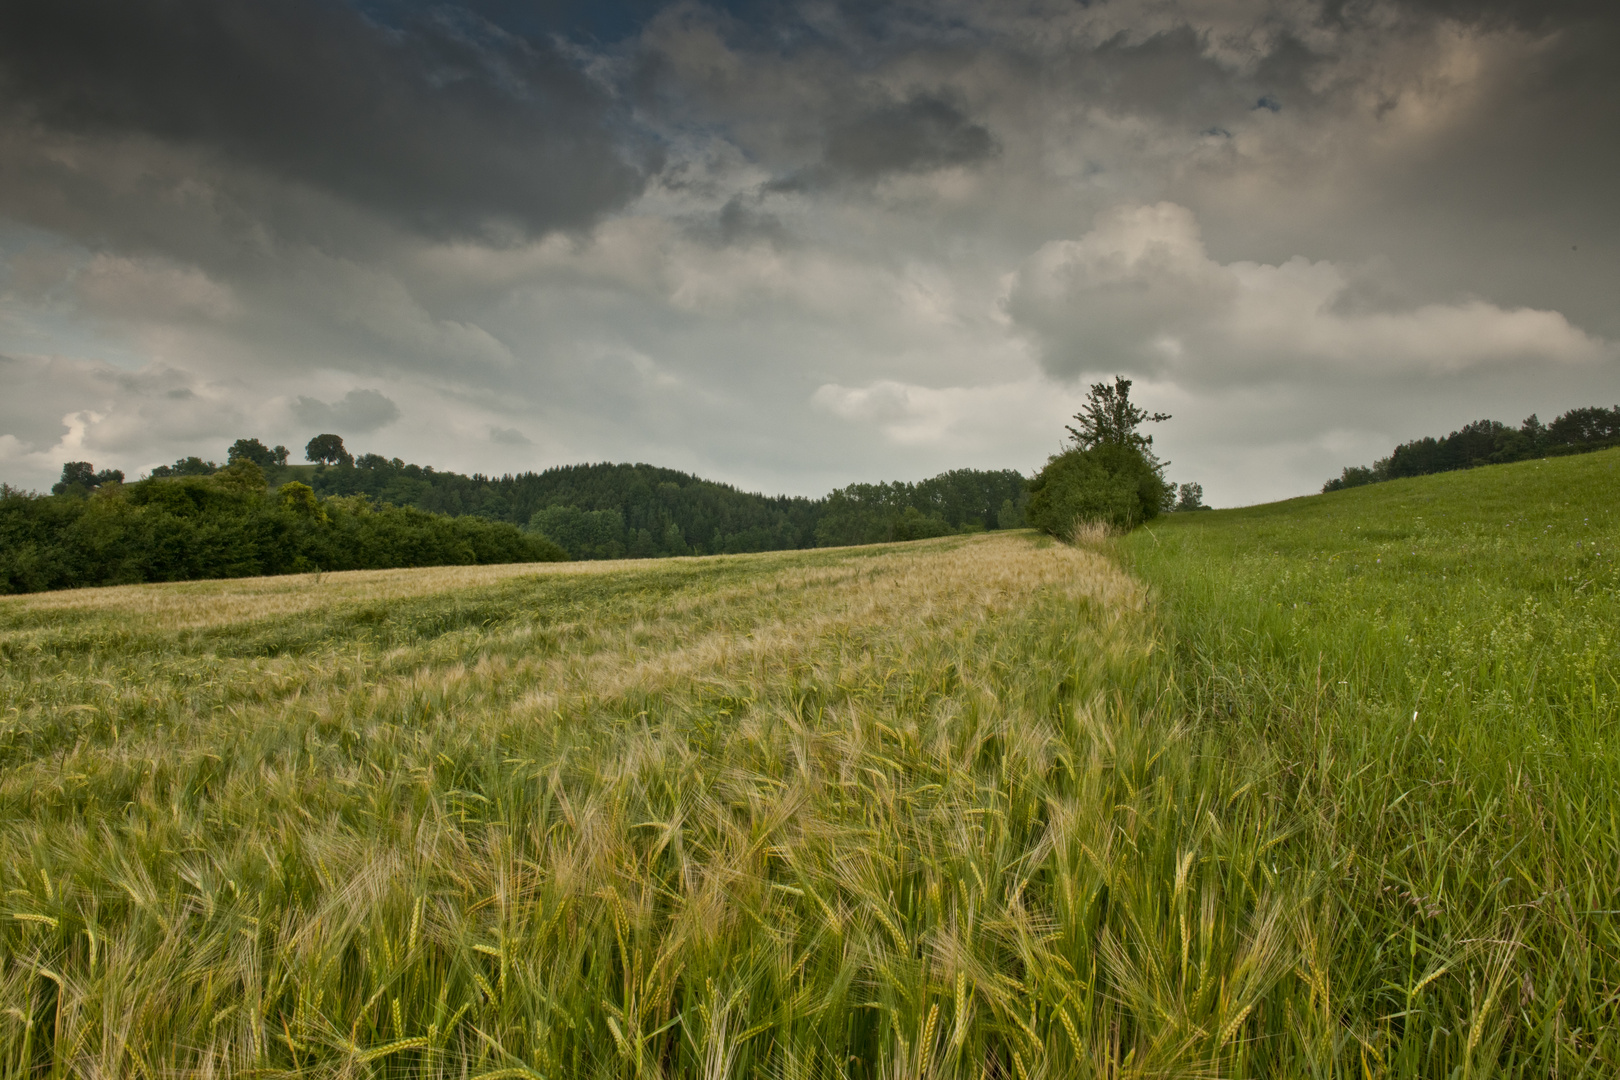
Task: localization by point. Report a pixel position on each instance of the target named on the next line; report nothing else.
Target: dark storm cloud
(442, 121)
(1529, 14)
(873, 140)
(741, 221)
(885, 229)
(925, 132)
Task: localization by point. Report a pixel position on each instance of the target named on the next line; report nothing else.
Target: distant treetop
(1108, 416)
(327, 450)
(1489, 442)
(255, 451)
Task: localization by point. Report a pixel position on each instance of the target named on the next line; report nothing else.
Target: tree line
(259, 514)
(94, 529)
(1490, 442)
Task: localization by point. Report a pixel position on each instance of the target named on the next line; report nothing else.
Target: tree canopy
(579, 511)
(229, 524)
(1489, 442)
(1109, 416)
(327, 450)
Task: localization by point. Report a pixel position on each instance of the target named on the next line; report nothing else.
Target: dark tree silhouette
(82, 476)
(327, 450)
(255, 451)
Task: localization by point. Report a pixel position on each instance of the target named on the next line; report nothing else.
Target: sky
(793, 246)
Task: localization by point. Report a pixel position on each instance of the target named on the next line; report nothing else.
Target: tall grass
(909, 811)
(1431, 667)
(978, 807)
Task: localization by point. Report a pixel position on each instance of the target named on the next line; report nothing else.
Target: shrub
(1111, 483)
(228, 525)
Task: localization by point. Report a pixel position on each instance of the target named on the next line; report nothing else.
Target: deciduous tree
(327, 450)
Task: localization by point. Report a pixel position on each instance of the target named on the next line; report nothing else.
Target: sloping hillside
(1328, 787)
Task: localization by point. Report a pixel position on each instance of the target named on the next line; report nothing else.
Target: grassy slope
(935, 809)
(1430, 665)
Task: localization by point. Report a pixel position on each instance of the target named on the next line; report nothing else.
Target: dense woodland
(1490, 442)
(229, 523)
(258, 514)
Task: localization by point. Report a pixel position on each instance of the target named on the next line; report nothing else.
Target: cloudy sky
(796, 245)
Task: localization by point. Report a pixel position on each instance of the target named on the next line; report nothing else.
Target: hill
(1327, 787)
(1423, 676)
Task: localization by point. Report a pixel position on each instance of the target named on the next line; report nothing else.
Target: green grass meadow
(1326, 788)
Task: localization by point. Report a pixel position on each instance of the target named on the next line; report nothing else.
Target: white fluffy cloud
(1140, 293)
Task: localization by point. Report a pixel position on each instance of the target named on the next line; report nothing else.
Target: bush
(1112, 484)
(228, 525)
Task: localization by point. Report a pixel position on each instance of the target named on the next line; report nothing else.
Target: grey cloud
(359, 412)
(1436, 177)
(740, 220)
(505, 436)
(923, 132)
(442, 122)
(1140, 293)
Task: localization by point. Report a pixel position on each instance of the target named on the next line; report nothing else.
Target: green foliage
(584, 534)
(1190, 497)
(186, 466)
(81, 478)
(1114, 484)
(615, 511)
(1109, 416)
(1336, 794)
(1428, 671)
(227, 525)
(913, 524)
(712, 518)
(1586, 425)
(255, 451)
(300, 499)
(963, 500)
(327, 450)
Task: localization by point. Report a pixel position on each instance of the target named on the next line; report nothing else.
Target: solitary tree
(327, 449)
(1109, 474)
(1108, 416)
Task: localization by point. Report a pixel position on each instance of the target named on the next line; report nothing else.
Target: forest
(228, 524)
(1490, 442)
(257, 514)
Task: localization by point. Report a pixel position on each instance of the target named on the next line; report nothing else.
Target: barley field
(1327, 788)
